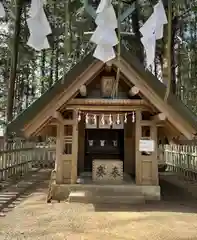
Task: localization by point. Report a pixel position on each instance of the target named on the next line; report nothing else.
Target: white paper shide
(2, 10)
(152, 30)
(38, 25)
(105, 36)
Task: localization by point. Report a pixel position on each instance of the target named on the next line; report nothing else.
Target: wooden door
(70, 150)
(146, 162)
(103, 144)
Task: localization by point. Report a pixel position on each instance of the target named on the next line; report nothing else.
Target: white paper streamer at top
(149, 46)
(102, 5)
(2, 10)
(36, 6)
(153, 30)
(106, 36)
(38, 44)
(155, 22)
(149, 27)
(39, 25)
(107, 18)
(104, 53)
(161, 18)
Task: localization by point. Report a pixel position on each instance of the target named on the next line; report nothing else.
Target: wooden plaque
(107, 86)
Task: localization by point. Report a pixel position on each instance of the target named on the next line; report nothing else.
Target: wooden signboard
(107, 86)
(147, 146)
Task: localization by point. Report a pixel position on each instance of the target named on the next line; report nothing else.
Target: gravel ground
(32, 218)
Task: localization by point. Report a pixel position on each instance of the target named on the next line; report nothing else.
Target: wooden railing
(17, 159)
(182, 160)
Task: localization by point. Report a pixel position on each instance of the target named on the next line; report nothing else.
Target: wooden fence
(182, 160)
(16, 159)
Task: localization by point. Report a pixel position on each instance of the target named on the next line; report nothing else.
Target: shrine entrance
(103, 144)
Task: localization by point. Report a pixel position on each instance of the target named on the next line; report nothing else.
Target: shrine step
(118, 199)
(108, 190)
(116, 191)
(79, 196)
(88, 197)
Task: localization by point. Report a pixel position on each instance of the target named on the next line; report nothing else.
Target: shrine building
(105, 140)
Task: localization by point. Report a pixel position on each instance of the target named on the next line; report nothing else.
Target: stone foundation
(62, 191)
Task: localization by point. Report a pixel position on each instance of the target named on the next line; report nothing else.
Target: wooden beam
(83, 90)
(108, 109)
(109, 102)
(57, 115)
(159, 117)
(115, 105)
(134, 91)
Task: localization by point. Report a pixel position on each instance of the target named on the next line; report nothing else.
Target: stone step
(109, 190)
(79, 196)
(87, 197)
(119, 199)
(113, 191)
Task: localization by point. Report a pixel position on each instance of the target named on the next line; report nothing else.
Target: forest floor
(31, 218)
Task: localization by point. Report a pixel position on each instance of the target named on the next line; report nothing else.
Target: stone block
(107, 170)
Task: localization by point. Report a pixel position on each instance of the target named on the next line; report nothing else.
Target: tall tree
(14, 59)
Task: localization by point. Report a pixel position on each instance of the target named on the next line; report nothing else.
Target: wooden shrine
(104, 136)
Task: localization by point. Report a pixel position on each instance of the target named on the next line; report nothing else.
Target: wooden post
(74, 148)
(169, 49)
(155, 178)
(59, 151)
(146, 163)
(137, 151)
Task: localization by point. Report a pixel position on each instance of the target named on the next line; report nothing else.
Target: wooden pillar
(59, 151)
(155, 176)
(146, 163)
(74, 148)
(81, 144)
(129, 146)
(137, 152)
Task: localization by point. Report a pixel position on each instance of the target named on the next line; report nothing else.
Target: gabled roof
(28, 114)
(159, 88)
(156, 86)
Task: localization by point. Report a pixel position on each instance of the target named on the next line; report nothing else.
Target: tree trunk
(14, 60)
(136, 28)
(43, 60)
(169, 49)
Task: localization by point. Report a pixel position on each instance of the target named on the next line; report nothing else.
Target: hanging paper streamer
(2, 10)
(105, 36)
(39, 26)
(152, 30)
(161, 19)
